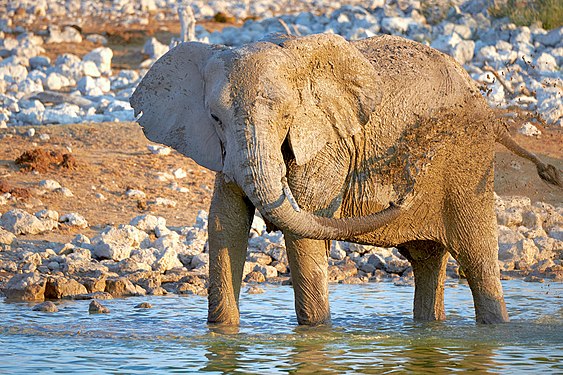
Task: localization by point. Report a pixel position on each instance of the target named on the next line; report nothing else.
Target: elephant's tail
(547, 172)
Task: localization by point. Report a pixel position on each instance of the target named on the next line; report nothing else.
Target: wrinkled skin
(343, 128)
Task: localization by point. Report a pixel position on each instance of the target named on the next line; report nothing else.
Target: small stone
(534, 279)
(74, 220)
(143, 305)
(148, 223)
(46, 306)
(93, 295)
(159, 150)
(135, 193)
(154, 49)
(254, 289)
(49, 185)
(97, 39)
(122, 287)
(165, 202)
(200, 260)
(101, 56)
(97, 308)
(529, 130)
(30, 132)
(180, 173)
(6, 238)
(255, 277)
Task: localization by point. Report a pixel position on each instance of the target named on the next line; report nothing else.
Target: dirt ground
(111, 158)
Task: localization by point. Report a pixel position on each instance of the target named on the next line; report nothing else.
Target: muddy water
(372, 332)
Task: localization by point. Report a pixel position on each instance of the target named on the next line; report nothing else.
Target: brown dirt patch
(113, 157)
(42, 160)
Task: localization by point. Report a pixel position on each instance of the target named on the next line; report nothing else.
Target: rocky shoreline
(147, 257)
(517, 66)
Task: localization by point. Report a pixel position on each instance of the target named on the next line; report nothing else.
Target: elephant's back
(414, 69)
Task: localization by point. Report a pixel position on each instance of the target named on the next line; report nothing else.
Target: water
(372, 333)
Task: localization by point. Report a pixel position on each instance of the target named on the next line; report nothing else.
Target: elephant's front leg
(230, 218)
(308, 260)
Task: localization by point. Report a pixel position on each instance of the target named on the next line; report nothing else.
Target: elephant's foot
(484, 281)
(318, 315)
(221, 313)
(490, 307)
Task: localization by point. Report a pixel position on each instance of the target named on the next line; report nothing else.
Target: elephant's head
(231, 110)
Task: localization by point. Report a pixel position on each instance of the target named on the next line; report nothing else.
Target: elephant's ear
(338, 92)
(171, 100)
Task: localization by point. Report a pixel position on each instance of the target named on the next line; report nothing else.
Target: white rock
(101, 56)
(55, 81)
(267, 271)
(180, 173)
(6, 238)
(552, 38)
(200, 260)
(148, 223)
(93, 86)
(546, 63)
(67, 35)
(336, 252)
(463, 51)
(135, 193)
(20, 222)
(90, 69)
(49, 185)
(147, 256)
(62, 114)
(396, 25)
(159, 150)
(117, 243)
(47, 214)
(154, 49)
(28, 86)
(13, 73)
(530, 130)
(37, 62)
(74, 220)
(97, 38)
(167, 260)
(164, 202)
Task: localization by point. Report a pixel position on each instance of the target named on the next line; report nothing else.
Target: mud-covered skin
(351, 127)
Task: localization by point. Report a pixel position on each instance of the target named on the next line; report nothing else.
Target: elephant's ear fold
(338, 92)
(170, 99)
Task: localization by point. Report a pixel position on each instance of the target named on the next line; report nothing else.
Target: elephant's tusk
(289, 195)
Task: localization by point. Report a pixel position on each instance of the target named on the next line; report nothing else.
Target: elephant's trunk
(262, 179)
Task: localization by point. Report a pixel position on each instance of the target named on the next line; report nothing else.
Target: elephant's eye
(214, 117)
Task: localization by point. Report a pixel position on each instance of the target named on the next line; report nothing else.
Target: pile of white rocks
(517, 66)
(148, 257)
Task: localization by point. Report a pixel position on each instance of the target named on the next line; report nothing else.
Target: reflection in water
(372, 333)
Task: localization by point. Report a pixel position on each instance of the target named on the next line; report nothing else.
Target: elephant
(381, 141)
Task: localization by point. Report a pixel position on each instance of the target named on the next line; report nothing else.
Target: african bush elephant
(320, 135)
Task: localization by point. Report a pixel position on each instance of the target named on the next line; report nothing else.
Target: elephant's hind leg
(308, 261)
(230, 218)
(473, 243)
(429, 260)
